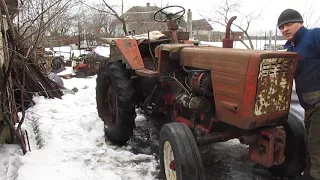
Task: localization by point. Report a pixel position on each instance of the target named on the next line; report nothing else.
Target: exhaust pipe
(250, 139)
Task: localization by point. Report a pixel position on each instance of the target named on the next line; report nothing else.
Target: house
(202, 30)
(140, 20)
(219, 35)
(237, 35)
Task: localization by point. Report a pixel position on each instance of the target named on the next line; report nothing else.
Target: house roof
(143, 9)
(201, 24)
(140, 13)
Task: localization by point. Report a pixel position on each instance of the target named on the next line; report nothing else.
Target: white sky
(271, 9)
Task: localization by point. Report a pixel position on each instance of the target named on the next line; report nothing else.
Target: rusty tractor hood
(251, 88)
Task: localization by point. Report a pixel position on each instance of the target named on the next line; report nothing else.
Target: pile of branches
(22, 78)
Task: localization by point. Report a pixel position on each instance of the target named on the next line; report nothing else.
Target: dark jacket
(307, 43)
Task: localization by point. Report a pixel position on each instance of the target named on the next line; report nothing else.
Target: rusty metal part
(147, 73)
(89, 63)
(27, 136)
(169, 57)
(174, 37)
(181, 36)
(183, 120)
(269, 150)
(49, 90)
(127, 48)
(227, 42)
(168, 98)
(249, 139)
(274, 85)
(215, 137)
(149, 47)
(193, 102)
(235, 75)
(194, 82)
(201, 83)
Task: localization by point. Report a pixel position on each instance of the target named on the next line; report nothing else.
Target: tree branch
(46, 24)
(95, 8)
(227, 8)
(39, 15)
(121, 19)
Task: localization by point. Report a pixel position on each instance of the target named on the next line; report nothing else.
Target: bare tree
(21, 76)
(36, 16)
(100, 22)
(308, 14)
(228, 8)
(119, 17)
(112, 11)
(63, 25)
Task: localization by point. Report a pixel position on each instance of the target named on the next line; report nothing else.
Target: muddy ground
(222, 161)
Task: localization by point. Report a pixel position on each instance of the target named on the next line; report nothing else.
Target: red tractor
(202, 95)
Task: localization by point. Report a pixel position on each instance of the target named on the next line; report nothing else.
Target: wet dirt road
(222, 161)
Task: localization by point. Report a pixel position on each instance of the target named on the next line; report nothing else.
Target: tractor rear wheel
(295, 150)
(179, 154)
(115, 101)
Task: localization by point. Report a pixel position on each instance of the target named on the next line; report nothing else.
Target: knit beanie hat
(289, 16)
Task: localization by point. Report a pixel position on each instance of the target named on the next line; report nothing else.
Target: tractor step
(147, 73)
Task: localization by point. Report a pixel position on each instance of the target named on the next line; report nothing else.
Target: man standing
(306, 42)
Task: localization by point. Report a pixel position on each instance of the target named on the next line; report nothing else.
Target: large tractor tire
(295, 150)
(116, 101)
(179, 154)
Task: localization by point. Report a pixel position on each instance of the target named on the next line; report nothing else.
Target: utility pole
(270, 38)
(275, 38)
(257, 41)
(189, 23)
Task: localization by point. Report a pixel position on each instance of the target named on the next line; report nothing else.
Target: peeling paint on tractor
(273, 86)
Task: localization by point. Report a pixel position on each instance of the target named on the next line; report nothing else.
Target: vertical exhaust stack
(189, 23)
(227, 42)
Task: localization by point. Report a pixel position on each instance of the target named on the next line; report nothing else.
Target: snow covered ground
(68, 143)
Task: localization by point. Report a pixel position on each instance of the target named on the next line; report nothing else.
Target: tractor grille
(273, 85)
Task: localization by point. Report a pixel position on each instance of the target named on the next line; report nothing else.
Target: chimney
(148, 4)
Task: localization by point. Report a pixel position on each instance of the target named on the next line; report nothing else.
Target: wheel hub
(169, 163)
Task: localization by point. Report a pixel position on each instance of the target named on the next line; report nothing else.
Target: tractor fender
(128, 50)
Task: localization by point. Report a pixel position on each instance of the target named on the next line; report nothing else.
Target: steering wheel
(169, 16)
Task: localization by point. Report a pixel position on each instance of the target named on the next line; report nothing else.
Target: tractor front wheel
(179, 154)
(115, 101)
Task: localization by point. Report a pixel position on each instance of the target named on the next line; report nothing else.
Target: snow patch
(67, 142)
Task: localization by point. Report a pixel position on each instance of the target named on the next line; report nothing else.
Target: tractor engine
(200, 93)
(200, 83)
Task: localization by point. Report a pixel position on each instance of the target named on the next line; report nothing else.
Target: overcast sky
(270, 9)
